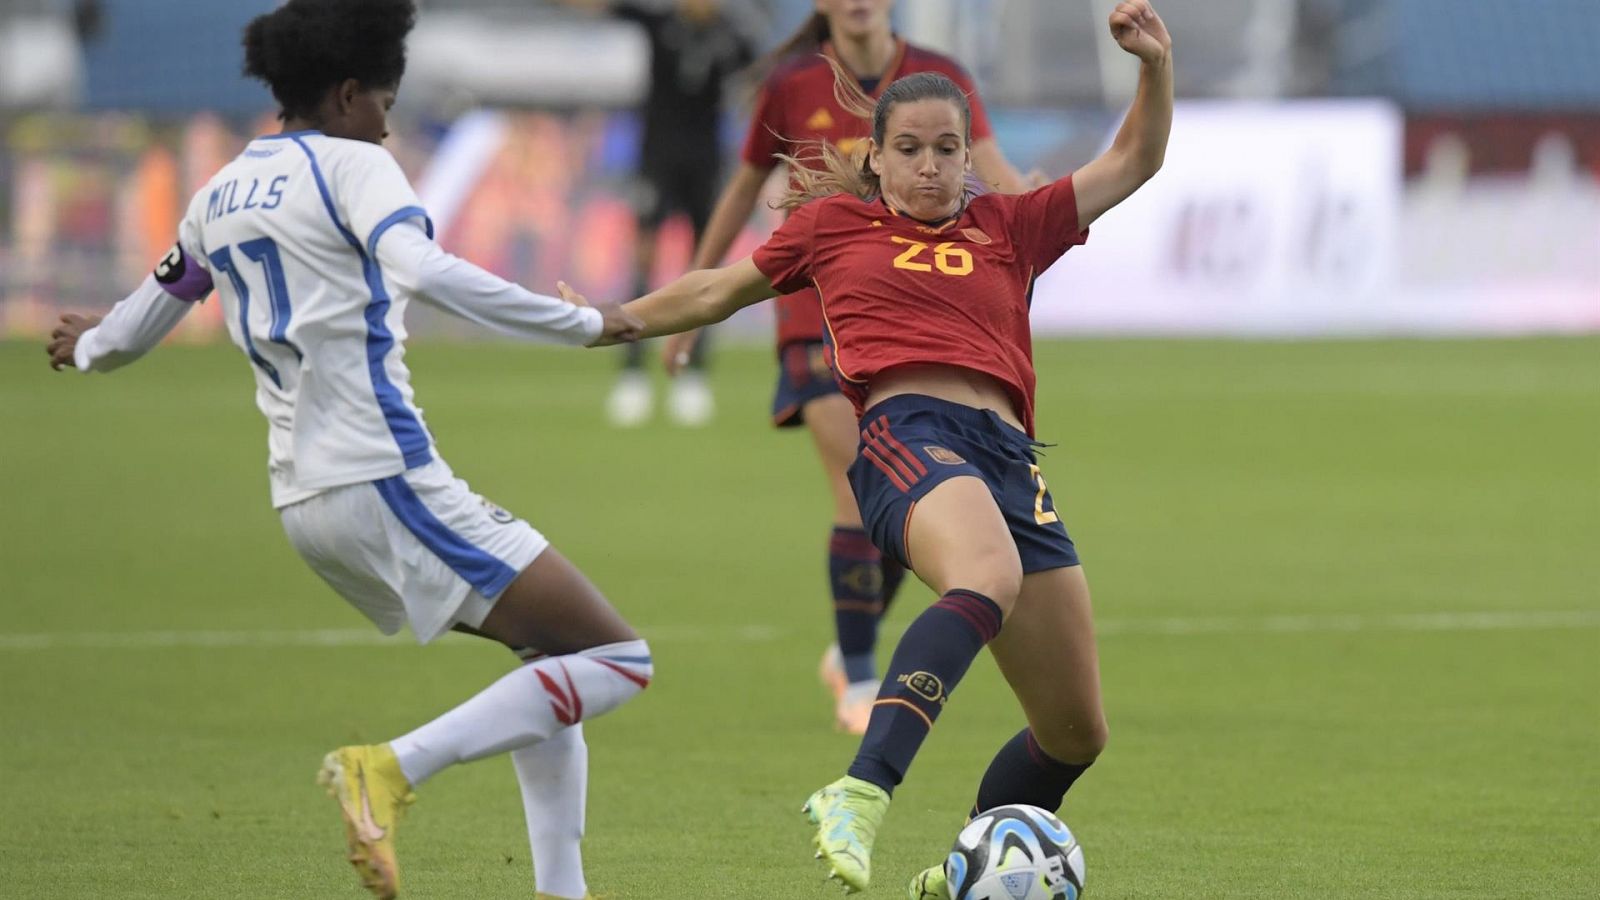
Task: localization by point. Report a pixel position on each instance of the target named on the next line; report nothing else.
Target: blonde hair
(819, 169)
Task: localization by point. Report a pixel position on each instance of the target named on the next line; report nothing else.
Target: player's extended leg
(601, 664)
(1047, 653)
(554, 778)
(860, 580)
(959, 545)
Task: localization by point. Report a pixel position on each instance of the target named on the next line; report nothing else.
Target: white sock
(554, 776)
(526, 706)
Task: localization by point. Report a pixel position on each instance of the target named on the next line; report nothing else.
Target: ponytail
(820, 169)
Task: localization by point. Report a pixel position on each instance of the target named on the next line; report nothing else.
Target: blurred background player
(927, 293)
(318, 226)
(798, 107)
(695, 45)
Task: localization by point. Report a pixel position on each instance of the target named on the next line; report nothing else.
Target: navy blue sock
(855, 575)
(1023, 773)
(927, 665)
(893, 574)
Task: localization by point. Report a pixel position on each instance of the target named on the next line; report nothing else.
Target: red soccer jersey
(897, 291)
(797, 105)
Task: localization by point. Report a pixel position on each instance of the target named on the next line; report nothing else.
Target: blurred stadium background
(1340, 166)
(1346, 588)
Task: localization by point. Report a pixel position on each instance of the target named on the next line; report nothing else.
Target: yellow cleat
(930, 884)
(373, 794)
(847, 814)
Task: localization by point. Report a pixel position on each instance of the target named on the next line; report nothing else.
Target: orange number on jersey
(1041, 515)
(950, 259)
(906, 259)
(945, 252)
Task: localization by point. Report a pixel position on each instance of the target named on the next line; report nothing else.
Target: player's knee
(997, 575)
(1073, 739)
(619, 673)
(647, 666)
(631, 658)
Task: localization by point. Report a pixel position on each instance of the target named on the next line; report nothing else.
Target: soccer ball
(1015, 853)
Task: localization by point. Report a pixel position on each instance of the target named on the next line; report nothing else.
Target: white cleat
(632, 400)
(690, 402)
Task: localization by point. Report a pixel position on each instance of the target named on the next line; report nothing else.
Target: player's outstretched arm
(1140, 146)
(699, 298)
(733, 209)
(136, 324)
(413, 261)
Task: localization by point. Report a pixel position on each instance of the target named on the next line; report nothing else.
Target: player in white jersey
(315, 242)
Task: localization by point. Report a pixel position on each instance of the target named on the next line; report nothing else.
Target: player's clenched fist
(64, 339)
(1138, 30)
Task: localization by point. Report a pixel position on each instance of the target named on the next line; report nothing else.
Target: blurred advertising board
(1265, 219)
(1274, 220)
(1292, 219)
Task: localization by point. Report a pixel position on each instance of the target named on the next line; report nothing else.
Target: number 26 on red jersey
(947, 257)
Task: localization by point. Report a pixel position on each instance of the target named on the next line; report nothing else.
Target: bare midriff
(953, 383)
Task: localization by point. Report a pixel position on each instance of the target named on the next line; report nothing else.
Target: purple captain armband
(182, 278)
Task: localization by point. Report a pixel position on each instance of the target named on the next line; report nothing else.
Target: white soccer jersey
(315, 244)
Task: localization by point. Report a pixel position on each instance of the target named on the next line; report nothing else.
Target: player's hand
(570, 295)
(617, 326)
(1138, 30)
(1037, 179)
(679, 348)
(64, 339)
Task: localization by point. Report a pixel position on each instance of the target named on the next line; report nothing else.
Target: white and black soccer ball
(1015, 853)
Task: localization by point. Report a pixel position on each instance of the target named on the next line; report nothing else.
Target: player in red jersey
(798, 107)
(925, 292)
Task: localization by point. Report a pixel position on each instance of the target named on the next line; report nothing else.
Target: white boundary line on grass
(1311, 624)
(749, 634)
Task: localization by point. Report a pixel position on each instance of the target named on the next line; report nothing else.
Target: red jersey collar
(940, 225)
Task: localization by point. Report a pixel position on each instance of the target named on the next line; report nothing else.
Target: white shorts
(419, 548)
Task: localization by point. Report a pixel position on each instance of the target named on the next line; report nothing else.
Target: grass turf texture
(1257, 520)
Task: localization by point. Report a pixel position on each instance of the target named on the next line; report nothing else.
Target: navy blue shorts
(912, 443)
(803, 376)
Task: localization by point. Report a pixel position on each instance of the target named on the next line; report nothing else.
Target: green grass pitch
(1349, 595)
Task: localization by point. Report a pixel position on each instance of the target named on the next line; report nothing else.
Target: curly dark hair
(305, 47)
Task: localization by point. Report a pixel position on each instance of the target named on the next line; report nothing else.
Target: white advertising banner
(1275, 219)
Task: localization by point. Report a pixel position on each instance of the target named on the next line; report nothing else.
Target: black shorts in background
(669, 186)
